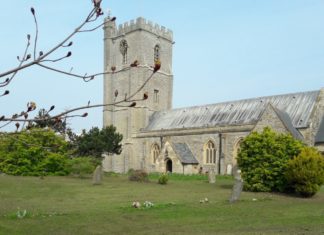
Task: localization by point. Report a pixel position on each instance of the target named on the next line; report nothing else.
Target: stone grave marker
(237, 188)
(97, 176)
(211, 176)
(229, 169)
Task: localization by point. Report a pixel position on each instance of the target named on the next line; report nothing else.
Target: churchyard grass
(67, 205)
(181, 177)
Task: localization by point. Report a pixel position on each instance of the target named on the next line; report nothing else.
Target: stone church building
(188, 140)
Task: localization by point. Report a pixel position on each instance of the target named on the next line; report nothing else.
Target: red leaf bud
(157, 66)
(31, 106)
(132, 104)
(134, 64)
(145, 96)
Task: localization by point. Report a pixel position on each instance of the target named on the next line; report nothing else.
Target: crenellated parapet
(142, 24)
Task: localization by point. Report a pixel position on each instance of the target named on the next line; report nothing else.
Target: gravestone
(97, 176)
(229, 169)
(237, 188)
(211, 176)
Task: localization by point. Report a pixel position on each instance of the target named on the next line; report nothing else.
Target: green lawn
(66, 205)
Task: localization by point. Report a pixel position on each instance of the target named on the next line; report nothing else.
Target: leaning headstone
(97, 176)
(211, 176)
(237, 188)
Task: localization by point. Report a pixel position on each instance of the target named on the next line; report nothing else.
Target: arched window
(236, 150)
(210, 153)
(157, 50)
(123, 46)
(155, 152)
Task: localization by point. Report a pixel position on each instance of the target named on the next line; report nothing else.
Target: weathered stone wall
(269, 118)
(190, 169)
(231, 146)
(141, 37)
(196, 144)
(120, 163)
(320, 148)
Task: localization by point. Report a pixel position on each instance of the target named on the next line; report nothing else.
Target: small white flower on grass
(254, 199)
(204, 200)
(136, 204)
(148, 204)
(21, 214)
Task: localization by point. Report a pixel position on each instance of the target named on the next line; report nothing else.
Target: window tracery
(155, 152)
(123, 47)
(210, 153)
(157, 50)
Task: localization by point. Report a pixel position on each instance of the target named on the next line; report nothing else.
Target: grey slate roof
(319, 138)
(298, 106)
(184, 153)
(284, 117)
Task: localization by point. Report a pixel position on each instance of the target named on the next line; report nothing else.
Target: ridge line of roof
(239, 100)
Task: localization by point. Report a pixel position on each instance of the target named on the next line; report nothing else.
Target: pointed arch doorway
(168, 165)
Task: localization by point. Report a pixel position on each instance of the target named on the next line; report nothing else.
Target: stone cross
(97, 175)
(237, 188)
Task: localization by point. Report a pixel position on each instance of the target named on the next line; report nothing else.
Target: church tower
(142, 41)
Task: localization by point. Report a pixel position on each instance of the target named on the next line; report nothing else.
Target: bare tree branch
(128, 101)
(36, 33)
(92, 16)
(8, 80)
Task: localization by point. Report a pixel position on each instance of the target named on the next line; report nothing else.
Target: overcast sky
(224, 50)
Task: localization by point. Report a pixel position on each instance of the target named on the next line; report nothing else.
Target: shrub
(81, 166)
(54, 164)
(305, 173)
(263, 160)
(31, 152)
(130, 171)
(163, 179)
(138, 175)
(95, 142)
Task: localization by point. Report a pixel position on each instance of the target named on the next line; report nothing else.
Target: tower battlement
(143, 24)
